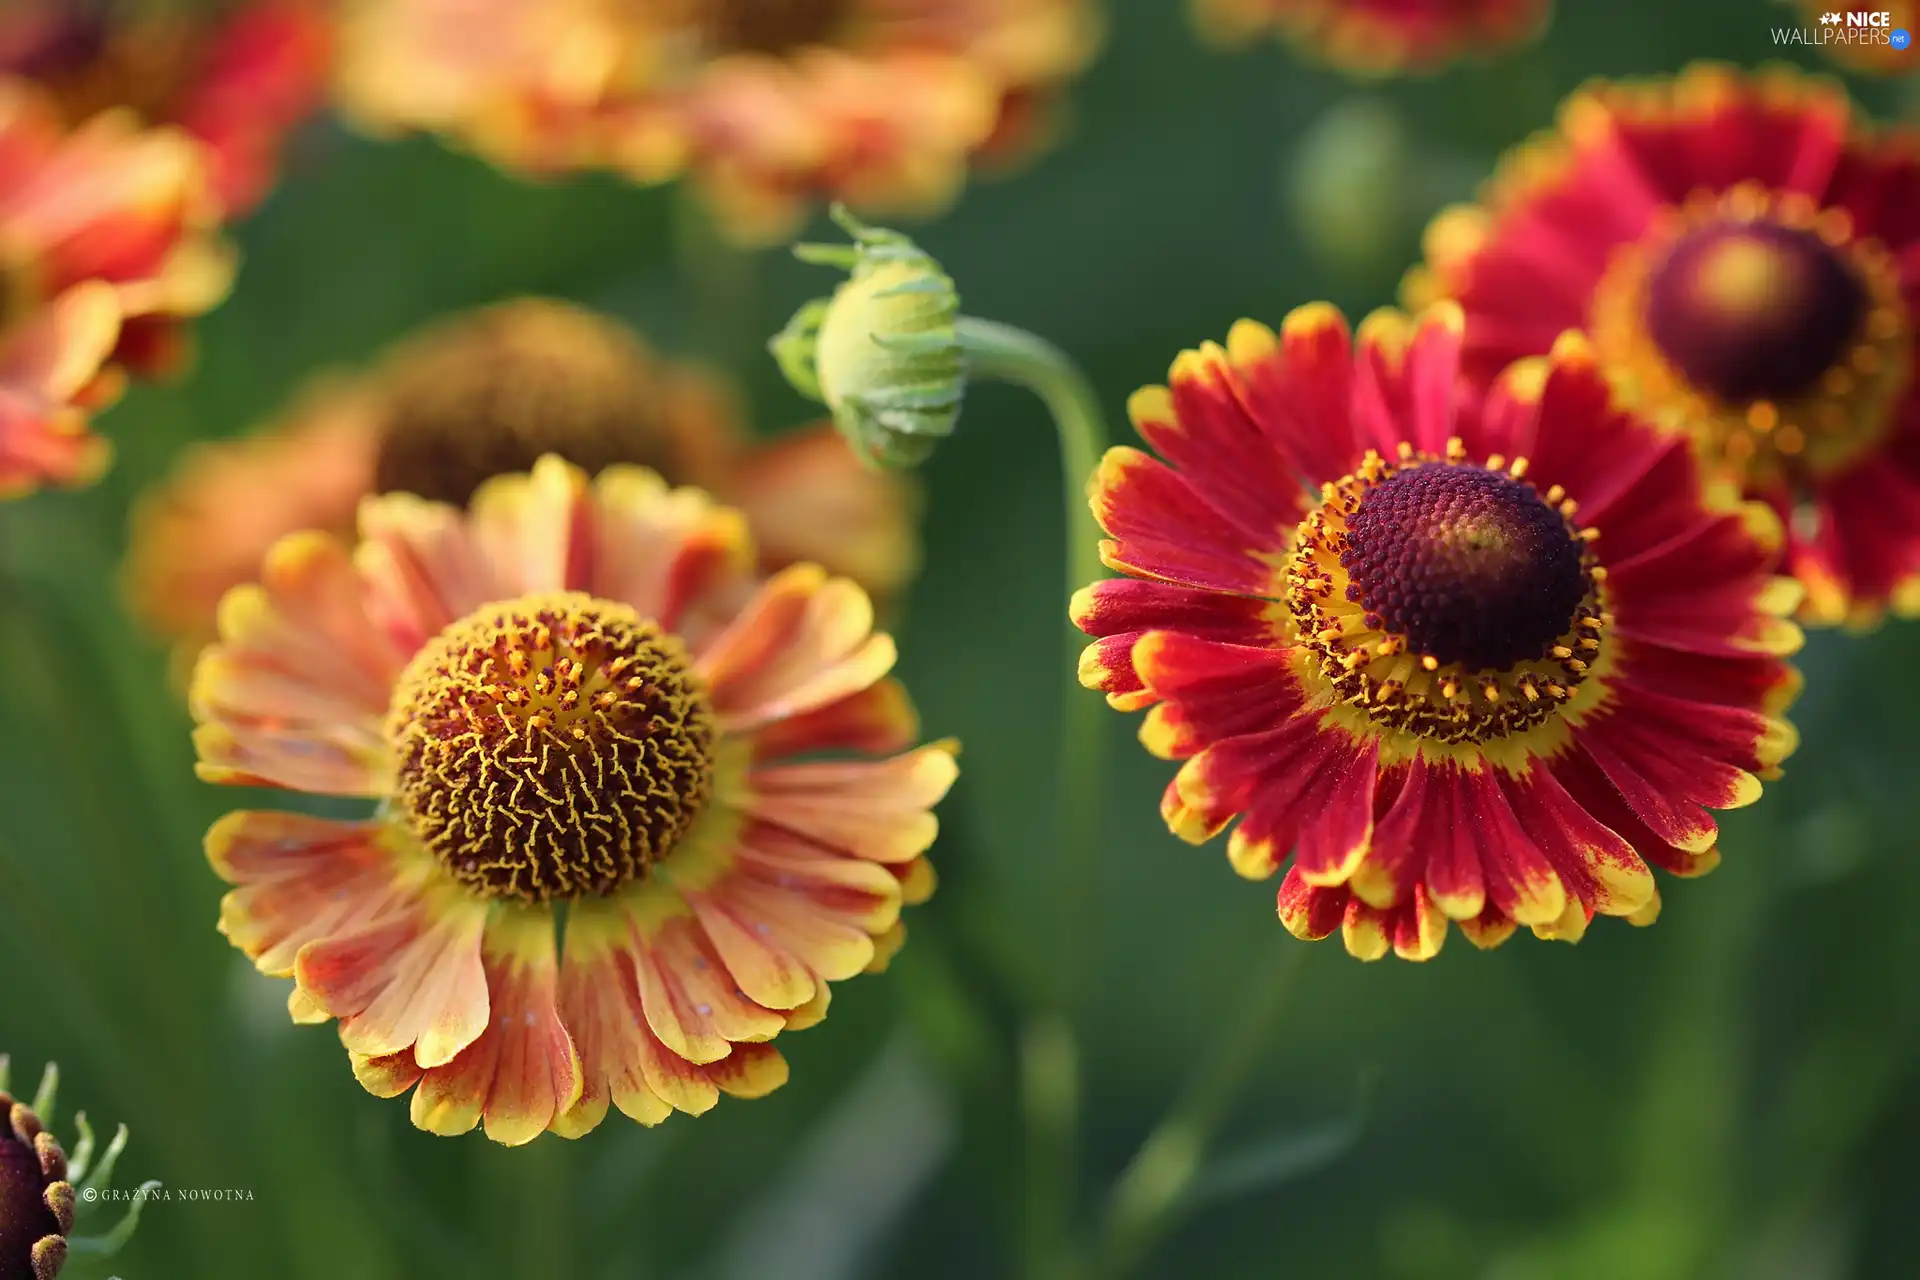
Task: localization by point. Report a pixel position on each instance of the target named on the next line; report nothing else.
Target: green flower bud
(883, 353)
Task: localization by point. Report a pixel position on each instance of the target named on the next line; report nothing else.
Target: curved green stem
(1148, 1198)
(1049, 1054)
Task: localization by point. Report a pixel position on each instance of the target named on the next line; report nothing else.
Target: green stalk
(1049, 1045)
(1149, 1198)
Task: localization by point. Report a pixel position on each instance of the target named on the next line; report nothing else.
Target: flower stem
(1049, 1045)
(1148, 1198)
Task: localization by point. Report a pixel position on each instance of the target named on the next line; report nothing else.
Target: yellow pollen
(554, 746)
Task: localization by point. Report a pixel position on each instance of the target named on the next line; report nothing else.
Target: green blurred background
(1733, 1093)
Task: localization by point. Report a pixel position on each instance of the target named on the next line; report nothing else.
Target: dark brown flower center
(1754, 310)
(771, 26)
(490, 394)
(552, 747)
(1468, 564)
(32, 1243)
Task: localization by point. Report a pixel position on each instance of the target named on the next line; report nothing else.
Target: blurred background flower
(1737, 246)
(487, 393)
(107, 243)
(1733, 1093)
(767, 105)
(239, 75)
(1379, 37)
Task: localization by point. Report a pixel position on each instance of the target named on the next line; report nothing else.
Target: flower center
(1753, 309)
(552, 747)
(90, 55)
(25, 1217)
(1450, 600)
(1758, 320)
(491, 394)
(1468, 564)
(770, 26)
(42, 41)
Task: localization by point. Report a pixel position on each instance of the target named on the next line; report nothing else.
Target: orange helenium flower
(238, 76)
(106, 243)
(768, 105)
(1741, 250)
(1466, 656)
(574, 692)
(1380, 37)
(488, 392)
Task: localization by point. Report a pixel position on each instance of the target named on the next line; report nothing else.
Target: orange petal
(600, 1005)
(670, 553)
(805, 642)
(523, 1071)
(750, 1071)
(537, 530)
(862, 894)
(689, 1001)
(876, 810)
(313, 621)
(767, 974)
(414, 979)
(422, 567)
(300, 879)
(387, 1077)
(332, 761)
(820, 939)
(876, 721)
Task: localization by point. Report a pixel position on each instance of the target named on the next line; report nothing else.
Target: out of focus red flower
(1379, 37)
(768, 105)
(238, 76)
(1742, 247)
(107, 242)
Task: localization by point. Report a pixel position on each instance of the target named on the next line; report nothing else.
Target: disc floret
(1448, 600)
(550, 747)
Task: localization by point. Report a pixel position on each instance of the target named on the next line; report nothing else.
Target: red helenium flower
(1743, 252)
(1478, 656)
